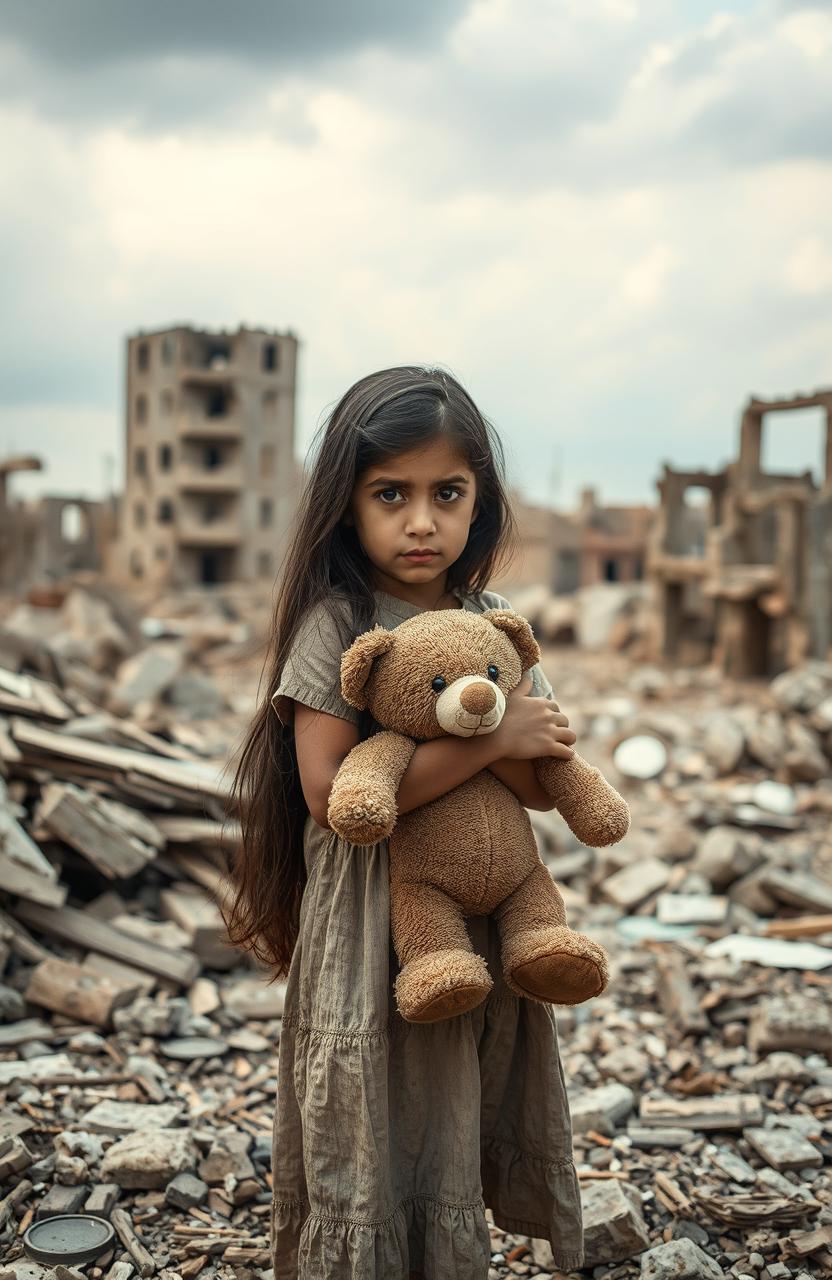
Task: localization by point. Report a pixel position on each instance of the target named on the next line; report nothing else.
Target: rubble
(138, 1051)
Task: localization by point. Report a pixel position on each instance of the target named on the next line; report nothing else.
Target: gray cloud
(88, 33)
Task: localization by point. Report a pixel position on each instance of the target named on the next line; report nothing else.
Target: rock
(776, 1067)
(642, 756)
(640, 1136)
(631, 885)
(805, 760)
(149, 1158)
(187, 1048)
(186, 1191)
(124, 1117)
(614, 1227)
(767, 742)
(601, 1109)
(228, 1155)
(679, 1260)
(601, 606)
(776, 953)
(254, 999)
(797, 1021)
(691, 908)
(798, 889)
(734, 1167)
(803, 688)
(626, 1064)
(12, 1005)
(195, 695)
(145, 676)
(147, 1017)
(783, 1150)
(774, 797)
(723, 743)
(725, 855)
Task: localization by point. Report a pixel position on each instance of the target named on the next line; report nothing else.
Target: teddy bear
(471, 851)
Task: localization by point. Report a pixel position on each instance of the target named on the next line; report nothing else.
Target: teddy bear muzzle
(469, 706)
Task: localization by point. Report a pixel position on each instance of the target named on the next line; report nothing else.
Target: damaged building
(210, 475)
(747, 579)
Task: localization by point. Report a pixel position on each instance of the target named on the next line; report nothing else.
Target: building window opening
(140, 462)
(168, 349)
(141, 409)
(217, 403)
(611, 571)
(265, 512)
(211, 457)
(143, 357)
(270, 356)
(164, 511)
(165, 457)
(73, 523)
(139, 515)
(136, 567)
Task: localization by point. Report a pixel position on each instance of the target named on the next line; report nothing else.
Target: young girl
(391, 1138)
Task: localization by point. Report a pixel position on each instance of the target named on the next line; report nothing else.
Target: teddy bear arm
(362, 799)
(592, 809)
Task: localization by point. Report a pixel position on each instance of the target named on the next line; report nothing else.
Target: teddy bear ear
(519, 633)
(357, 663)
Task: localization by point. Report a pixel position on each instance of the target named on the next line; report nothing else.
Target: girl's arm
(520, 777)
(322, 741)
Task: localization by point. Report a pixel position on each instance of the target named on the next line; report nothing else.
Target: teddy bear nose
(478, 699)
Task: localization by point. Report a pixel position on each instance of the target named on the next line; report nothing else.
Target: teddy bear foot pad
(442, 985)
(556, 966)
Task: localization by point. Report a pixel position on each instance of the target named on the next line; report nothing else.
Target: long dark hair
(384, 414)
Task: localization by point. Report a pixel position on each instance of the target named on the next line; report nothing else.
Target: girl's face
(423, 499)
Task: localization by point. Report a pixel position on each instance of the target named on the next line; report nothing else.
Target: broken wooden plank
(95, 935)
(720, 1111)
(67, 988)
(677, 996)
(98, 829)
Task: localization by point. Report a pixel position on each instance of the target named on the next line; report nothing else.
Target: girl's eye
(450, 488)
(382, 492)
(446, 488)
(438, 684)
(493, 672)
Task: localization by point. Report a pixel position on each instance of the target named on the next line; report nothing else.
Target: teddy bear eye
(438, 684)
(493, 672)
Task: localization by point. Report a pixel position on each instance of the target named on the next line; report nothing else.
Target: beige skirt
(391, 1138)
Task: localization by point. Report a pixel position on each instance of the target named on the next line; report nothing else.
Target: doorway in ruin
(209, 568)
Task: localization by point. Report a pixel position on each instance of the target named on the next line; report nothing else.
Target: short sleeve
(312, 671)
(541, 688)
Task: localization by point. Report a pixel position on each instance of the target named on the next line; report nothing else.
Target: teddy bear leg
(543, 959)
(441, 975)
(591, 808)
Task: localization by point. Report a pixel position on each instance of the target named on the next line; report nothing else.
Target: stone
(734, 1167)
(775, 953)
(642, 1136)
(804, 759)
(195, 695)
(149, 1158)
(802, 688)
(767, 742)
(691, 908)
(254, 999)
(796, 1021)
(124, 1117)
(798, 889)
(147, 1017)
(725, 855)
(186, 1191)
(228, 1155)
(187, 1048)
(626, 1064)
(642, 756)
(723, 743)
(783, 1149)
(614, 1227)
(601, 1109)
(679, 1260)
(145, 676)
(774, 797)
(630, 886)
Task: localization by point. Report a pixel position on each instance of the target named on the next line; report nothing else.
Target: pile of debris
(138, 1051)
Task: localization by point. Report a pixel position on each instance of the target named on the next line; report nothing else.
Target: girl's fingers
(560, 718)
(561, 752)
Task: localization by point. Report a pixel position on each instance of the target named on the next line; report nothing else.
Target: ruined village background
(648, 326)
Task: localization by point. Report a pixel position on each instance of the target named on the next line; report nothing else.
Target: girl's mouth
(420, 556)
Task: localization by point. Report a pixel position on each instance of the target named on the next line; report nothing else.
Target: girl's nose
(419, 521)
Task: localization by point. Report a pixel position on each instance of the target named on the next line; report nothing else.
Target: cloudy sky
(610, 218)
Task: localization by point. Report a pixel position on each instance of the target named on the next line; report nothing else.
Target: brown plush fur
(471, 851)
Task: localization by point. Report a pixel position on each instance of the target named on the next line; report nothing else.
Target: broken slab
(600, 1109)
(631, 885)
(679, 1260)
(798, 1021)
(776, 953)
(149, 1158)
(783, 1149)
(118, 1118)
(614, 1226)
(718, 1111)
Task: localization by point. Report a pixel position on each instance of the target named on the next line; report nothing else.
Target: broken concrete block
(679, 1260)
(119, 1118)
(186, 1191)
(601, 1108)
(725, 855)
(614, 1227)
(797, 1021)
(631, 885)
(783, 1149)
(149, 1158)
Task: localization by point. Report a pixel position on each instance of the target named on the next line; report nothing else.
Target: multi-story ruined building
(564, 551)
(210, 475)
(754, 587)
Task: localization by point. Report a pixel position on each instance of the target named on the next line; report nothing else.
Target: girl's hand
(532, 727)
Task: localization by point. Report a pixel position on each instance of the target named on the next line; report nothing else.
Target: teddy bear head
(442, 671)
